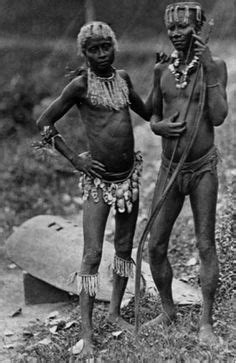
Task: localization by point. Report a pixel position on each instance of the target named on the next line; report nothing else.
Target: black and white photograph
(117, 181)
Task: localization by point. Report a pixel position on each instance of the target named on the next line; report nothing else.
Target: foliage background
(52, 18)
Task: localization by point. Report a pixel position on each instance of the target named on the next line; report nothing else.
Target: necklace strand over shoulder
(182, 77)
(111, 92)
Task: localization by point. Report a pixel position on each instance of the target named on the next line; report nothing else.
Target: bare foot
(121, 323)
(87, 350)
(162, 319)
(207, 336)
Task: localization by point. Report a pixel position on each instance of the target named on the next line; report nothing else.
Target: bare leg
(86, 308)
(203, 201)
(119, 285)
(125, 228)
(158, 246)
(94, 222)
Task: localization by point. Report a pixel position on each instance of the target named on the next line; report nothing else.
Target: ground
(29, 187)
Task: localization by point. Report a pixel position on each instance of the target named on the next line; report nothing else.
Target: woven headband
(172, 13)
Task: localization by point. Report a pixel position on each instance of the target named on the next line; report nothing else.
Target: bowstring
(178, 137)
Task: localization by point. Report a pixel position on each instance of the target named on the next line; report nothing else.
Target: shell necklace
(182, 77)
(110, 92)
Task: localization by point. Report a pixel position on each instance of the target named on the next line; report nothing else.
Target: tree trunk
(89, 11)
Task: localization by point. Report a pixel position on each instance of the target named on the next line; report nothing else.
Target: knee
(157, 251)
(124, 247)
(92, 257)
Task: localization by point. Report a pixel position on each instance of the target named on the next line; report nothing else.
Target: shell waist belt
(121, 194)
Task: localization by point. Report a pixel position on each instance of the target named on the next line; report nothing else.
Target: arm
(52, 114)
(144, 110)
(70, 96)
(166, 127)
(157, 102)
(216, 81)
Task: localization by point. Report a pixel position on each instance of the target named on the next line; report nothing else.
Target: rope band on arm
(213, 85)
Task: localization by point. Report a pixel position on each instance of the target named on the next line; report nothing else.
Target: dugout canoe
(50, 249)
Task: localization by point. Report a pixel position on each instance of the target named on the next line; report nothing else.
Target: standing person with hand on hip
(110, 168)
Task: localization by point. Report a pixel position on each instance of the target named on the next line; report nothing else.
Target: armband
(48, 137)
(52, 140)
(47, 145)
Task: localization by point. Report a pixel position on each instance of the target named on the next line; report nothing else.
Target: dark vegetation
(133, 18)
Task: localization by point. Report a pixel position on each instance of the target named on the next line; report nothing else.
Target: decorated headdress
(94, 29)
(192, 11)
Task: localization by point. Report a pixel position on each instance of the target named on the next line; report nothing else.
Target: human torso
(174, 100)
(110, 134)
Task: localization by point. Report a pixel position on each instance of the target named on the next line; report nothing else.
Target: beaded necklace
(182, 77)
(110, 92)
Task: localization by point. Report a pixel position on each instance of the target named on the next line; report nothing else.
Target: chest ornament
(110, 92)
(182, 76)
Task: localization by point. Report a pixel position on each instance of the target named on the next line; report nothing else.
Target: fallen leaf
(152, 291)
(59, 324)
(53, 315)
(54, 321)
(9, 346)
(104, 351)
(221, 341)
(125, 303)
(29, 348)
(70, 324)
(53, 329)
(191, 262)
(8, 333)
(116, 334)
(16, 313)
(27, 333)
(45, 341)
(77, 348)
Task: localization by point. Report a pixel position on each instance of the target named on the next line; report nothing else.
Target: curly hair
(93, 30)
